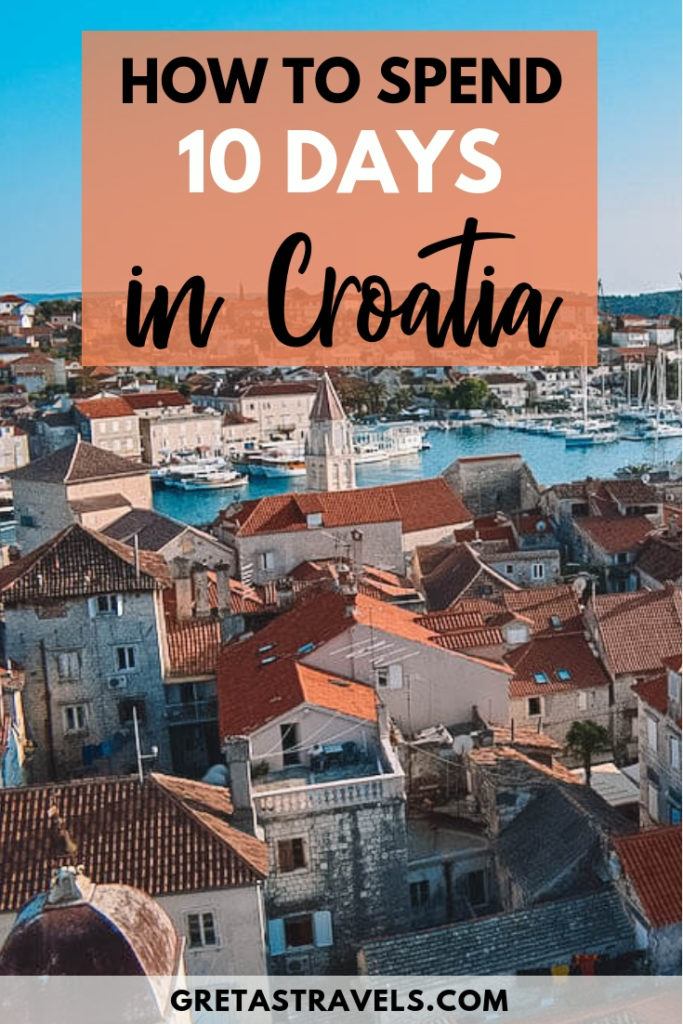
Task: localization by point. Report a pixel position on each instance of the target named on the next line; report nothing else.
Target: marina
(548, 456)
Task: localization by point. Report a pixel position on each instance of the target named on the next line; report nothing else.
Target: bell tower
(329, 447)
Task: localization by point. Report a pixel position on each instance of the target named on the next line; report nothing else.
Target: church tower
(329, 446)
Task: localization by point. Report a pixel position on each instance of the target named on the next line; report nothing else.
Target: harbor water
(548, 457)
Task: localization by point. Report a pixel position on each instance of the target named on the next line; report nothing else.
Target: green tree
(471, 393)
(583, 740)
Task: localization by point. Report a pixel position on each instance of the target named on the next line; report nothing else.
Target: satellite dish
(645, 478)
(217, 775)
(541, 526)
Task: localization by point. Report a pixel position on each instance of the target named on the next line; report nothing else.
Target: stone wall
(500, 483)
(559, 710)
(36, 637)
(356, 870)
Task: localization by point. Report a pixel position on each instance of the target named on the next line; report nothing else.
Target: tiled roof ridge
(72, 460)
(187, 807)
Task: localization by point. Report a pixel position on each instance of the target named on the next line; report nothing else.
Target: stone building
(169, 423)
(659, 745)
(587, 514)
(80, 483)
(635, 634)
(169, 538)
(493, 483)
(278, 409)
(330, 464)
(81, 615)
(557, 681)
(173, 839)
(379, 645)
(109, 422)
(14, 449)
(650, 881)
(451, 572)
(328, 794)
(377, 526)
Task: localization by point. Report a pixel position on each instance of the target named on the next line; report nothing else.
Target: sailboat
(590, 432)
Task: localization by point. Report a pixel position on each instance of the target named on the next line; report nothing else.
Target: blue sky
(640, 139)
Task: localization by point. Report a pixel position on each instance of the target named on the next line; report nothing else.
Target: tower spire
(329, 447)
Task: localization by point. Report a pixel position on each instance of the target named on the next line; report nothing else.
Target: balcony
(374, 783)
(194, 711)
(324, 796)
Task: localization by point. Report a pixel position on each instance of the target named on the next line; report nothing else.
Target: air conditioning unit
(118, 683)
(298, 965)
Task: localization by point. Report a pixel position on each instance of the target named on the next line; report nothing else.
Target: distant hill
(645, 304)
(43, 296)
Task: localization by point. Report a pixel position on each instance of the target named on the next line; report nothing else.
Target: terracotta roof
(653, 692)
(318, 617)
(524, 736)
(660, 558)
(457, 571)
(380, 583)
(537, 605)
(503, 378)
(327, 405)
(633, 491)
(234, 419)
(651, 861)
(193, 647)
(469, 639)
(615, 534)
(77, 463)
(283, 686)
(78, 562)
(428, 504)
(551, 657)
(38, 359)
(285, 388)
(166, 837)
(639, 630)
(155, 399)
(104, 408)
(422, 505)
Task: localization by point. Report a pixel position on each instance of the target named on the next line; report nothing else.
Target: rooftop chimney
(237, 750)
(180, 568)
(284, 593)
(223, 587)
(201, 592)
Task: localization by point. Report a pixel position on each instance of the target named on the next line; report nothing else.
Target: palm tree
(584, 739)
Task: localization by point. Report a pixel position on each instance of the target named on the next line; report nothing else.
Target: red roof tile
(651, 861)
(421, 505)
(653, 692)
(165, 837)
(155, 399)
(318, 617)
(78, 562)
(615, 534)
(249, 701)
(639, 630)
(104, 408)
(549, 655)
(537, 605)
